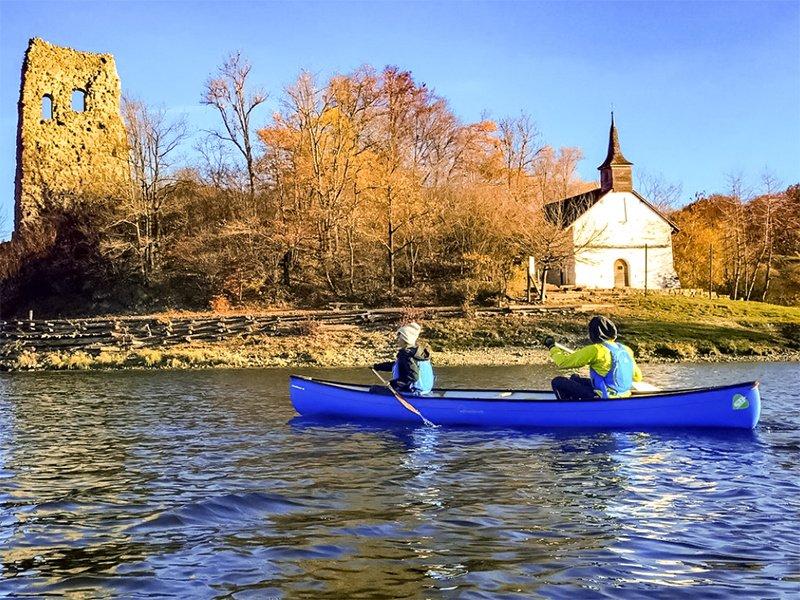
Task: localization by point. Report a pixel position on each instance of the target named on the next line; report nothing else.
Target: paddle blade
(643, 386)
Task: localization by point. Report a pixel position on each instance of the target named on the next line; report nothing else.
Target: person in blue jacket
(412, 371)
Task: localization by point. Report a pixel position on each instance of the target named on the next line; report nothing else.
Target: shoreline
(444, 360)
(252, 356)
(658, 330)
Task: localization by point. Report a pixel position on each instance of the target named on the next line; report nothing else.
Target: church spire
(616, 172)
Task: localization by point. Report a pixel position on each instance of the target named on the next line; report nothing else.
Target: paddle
(638, 386)
(403, 401)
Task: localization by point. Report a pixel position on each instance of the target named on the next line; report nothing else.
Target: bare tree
(549, 234)
(318, 141)
(228, 93)
(662, 193)
(520, 144)
(735, 216)
(554, 174)
(152, 141)
(766, 207)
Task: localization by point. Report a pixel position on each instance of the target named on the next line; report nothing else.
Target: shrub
(109, 359)
(308, 327)
(189, 356)
(79, 360)
(27, 360)
(707, 349)
(220, 304)
(791, 331)
(151, 358)
(487, 297)
(55, 360)
(674, 350)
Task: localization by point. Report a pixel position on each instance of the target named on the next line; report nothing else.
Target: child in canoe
(411, 371)
(612, 368)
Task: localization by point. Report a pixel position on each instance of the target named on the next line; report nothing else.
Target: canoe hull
(734, 406)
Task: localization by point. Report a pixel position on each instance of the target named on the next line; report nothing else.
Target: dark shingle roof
(565, 212)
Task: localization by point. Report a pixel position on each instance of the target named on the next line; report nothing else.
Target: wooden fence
(97, 334)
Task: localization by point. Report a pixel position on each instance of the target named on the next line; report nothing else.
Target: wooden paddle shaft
(402, 400)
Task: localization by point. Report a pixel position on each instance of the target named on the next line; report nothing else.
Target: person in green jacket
(612, 368)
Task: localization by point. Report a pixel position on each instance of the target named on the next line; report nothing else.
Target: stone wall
(65, 156)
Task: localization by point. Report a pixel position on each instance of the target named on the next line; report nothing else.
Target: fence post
(710, 270)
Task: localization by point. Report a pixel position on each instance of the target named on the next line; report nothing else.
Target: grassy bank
(658, 328)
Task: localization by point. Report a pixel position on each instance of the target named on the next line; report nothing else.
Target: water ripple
(206, 485)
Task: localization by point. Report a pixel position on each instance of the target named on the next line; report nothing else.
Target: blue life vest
(424, 384)
(619, 378)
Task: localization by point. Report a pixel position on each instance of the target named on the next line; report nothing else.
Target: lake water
(200, 484)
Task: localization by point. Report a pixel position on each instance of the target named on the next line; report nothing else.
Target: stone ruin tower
(71, 142)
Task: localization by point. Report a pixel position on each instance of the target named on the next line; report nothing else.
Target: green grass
(713, 327)
(659, 327)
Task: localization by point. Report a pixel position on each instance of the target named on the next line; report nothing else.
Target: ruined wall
(67, 156)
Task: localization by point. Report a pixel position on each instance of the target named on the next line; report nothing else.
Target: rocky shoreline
(335, 349)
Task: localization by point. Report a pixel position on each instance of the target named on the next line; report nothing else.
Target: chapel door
(620, 273)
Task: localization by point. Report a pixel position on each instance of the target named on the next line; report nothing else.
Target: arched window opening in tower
(47, 107)
(78, 100)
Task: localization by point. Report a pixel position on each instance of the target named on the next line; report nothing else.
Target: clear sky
(700, 89)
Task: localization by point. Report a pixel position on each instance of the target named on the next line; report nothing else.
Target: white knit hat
(409, 333)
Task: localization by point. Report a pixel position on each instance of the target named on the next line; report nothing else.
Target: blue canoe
(731, 406)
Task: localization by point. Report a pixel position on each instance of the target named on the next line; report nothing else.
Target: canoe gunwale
(360, 388)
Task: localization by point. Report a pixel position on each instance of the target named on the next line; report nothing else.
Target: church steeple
(616, 172)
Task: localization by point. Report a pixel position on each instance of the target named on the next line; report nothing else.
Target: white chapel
(619, 238)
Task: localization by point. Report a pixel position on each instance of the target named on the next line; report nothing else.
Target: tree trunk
(737, 265)
(390, 247)
(154, 257)
(767, 275)
(412, 263)
(390, 257)
(736, 276)
(251, 180)
(351, 262)
(768, 244)
(286, 266)
(543, 286)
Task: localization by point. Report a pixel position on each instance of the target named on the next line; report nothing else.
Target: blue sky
(700, 89)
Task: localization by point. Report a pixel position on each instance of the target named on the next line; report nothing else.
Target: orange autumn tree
(365, 162)
(413, 142)
(521, 177)
(368, 185)
(741, 242)
(315, 155)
